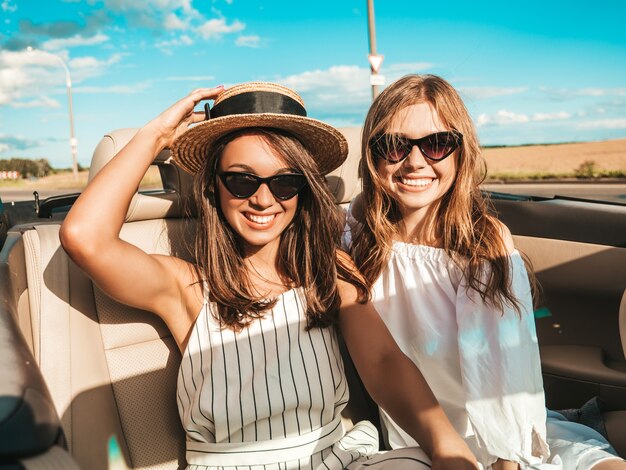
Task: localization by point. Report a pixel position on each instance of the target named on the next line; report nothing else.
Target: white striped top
(272, 381)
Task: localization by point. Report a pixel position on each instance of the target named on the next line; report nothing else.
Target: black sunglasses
(243, 185)
(395, 147)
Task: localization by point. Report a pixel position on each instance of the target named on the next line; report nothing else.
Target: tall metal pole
(73, 141)
(68, 84)
(371, 30)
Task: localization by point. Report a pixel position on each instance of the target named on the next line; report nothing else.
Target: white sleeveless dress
(271, 396)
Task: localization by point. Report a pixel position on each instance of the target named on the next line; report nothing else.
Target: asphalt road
(615, 192)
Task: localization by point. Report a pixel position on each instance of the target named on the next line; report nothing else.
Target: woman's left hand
(175, 120)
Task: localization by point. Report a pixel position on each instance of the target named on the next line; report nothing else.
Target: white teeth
(416, 182)
(261, 219)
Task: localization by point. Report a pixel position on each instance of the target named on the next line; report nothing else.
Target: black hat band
(256, 102)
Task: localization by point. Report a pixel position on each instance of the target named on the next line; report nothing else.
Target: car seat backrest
(111, 369)
(345, 182)
(177, 194)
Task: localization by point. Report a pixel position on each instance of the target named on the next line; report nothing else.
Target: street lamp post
(375, 59)
(68, 84)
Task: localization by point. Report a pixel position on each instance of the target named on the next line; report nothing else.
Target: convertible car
(86, 382)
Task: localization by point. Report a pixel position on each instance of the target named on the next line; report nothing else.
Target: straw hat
(260, 104)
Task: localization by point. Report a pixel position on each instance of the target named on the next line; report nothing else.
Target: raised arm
(90, 232)
(396, 384)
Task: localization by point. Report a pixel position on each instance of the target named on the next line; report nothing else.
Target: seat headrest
(345, 181)
(172, 201)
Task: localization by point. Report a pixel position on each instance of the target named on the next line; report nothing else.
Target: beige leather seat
(111, 369)
(345, 182)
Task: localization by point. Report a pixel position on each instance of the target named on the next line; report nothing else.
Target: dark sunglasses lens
(391, 148)
(241, 185)
(287, 186)
(440, 145)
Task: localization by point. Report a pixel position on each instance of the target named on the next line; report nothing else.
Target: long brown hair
(470, 235)
(307, 255)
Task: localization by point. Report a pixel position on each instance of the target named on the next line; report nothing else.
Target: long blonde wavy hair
(470, 235)
(307, 255)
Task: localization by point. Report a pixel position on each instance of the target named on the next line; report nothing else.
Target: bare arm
(396, 384)
(90, 232)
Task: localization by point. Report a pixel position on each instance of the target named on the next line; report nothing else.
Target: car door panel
(578, 253)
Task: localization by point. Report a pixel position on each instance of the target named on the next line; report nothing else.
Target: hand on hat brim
(175, 120)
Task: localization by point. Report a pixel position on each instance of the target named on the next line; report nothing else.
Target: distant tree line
(27, 167)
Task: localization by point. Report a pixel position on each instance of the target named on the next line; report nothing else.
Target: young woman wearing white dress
(450, 285)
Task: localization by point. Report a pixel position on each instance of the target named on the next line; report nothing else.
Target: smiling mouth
(261, 220)
(414, 182)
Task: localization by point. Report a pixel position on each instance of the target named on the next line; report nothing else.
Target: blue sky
(530, 72)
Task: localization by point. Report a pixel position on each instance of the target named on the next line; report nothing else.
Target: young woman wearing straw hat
(261, 381)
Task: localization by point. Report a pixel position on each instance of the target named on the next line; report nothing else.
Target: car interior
(88, 383)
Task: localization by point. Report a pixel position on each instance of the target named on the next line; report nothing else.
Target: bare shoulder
(189, 290)
(347, 292)
(505, 233)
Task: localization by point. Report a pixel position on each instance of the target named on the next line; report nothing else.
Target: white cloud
(192, 78)
(115, 89)
(617, 123)
(175, 16)
(86, 67)
(173, 22)
(167, 45)
(6, 6)
(592, 92)
(121, 6)
(248, 41)
(77, 40)
(501, 118)
(216, 28)
(506, 118)
(558, 116)
(600, 92)
(339, 89)
(338, 77)
(155, 14)
(15, 142)
(42, 102)
(36, 57)
(397, 70)
(480, 93)
(24, 75)
(344, 89)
